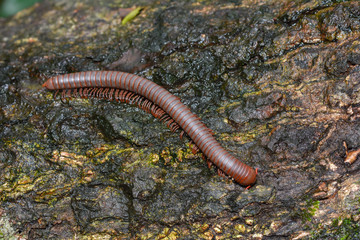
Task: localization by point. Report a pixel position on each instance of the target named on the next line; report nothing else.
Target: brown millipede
(130, 88)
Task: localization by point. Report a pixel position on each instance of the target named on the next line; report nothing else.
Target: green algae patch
(107, 152)
(23, 185)
(51, 186)
(251, 135)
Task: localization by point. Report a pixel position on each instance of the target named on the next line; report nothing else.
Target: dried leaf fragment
(350, 156)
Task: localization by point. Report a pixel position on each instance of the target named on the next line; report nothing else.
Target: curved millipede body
(157, 100)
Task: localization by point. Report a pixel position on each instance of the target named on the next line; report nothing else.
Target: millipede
(154, 99)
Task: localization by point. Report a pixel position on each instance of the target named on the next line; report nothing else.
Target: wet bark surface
(277, 82)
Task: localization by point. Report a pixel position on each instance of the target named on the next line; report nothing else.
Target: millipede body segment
(161, 103)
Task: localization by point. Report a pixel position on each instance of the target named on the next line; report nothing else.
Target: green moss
(344, 229)
(309, 210)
